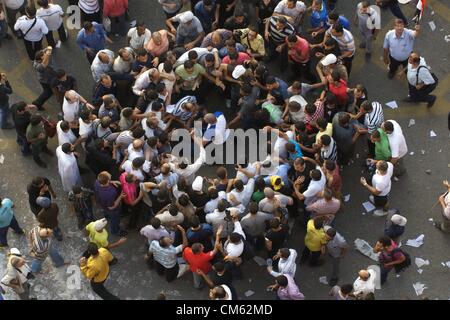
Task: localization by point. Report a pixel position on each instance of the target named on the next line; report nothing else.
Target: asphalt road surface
(414, 195)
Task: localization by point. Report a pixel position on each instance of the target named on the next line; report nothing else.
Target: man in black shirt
(200, 233)
(276, 238)
(5, 90)
(61, 84)
(39, 187)
(238, 21)
(99, 157)
(219, 275)
(21, 118)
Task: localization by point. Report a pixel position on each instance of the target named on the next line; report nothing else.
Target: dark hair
(318, 223)
(168, 66)
(260, 184)
(331, 232)
(213, 193)
(375, 134)
(173, 210)
(253, 207)
(192, 55)
(207, 2)
(152, 141)
(30, 11)
(222, 205)
(127, 112)
(155, 222)
(274, 223)
(138, 162)
(333, 15)
(92, 249)
(209, 57)
(290, 147)
(335, 75)
(316, 175)
(389, 126)
(35, 119)
(195, 222)
(66, 147)
(282, 20)
(346, 288)
(285, 253)
(310, 108)
(77, 189)
(183, 200)
(138, 132)
(196, 248)
(233, 55)
(188, 64)
(282, 281)
(20, 106)
(385, 241)
(325, 139)
(367, 106)
(239, 185)
(219, 266)
(271, 80)
(292, 38)
(338, 28)
(60, 73)
(87, 25)
(220, 292)
(140, 24)
(235, 238)
(64, 125)
(330, 165)
(322, 123)
(160, 296)
(221, 172)
(37, 181)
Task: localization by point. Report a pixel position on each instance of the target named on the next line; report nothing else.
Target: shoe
(333, 282)
(431, 103)
(372, 199)
(396, 179)
(391, 75)
(408, 99)
(380, 213)
(182, 270)
(8, 126)
(48, 151)
(122, 233)
(41, 163)
(8, 36)
(362, 45)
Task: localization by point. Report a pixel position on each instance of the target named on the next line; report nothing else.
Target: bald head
(364, 274)
(210, 118)
(269, 193)
(165, 168)
(103, 57)
(137, 144)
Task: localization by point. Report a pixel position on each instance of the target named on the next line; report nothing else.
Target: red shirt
(242, 56)
(198, 261)
(340, 92)
(300, 51)
(114, 8)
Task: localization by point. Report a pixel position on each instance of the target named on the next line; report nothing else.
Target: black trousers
(44, 96)
(303, 69)
(100, 289)
(422, 94)
(32, 47)
(170, 274)
(348, 62)
(96, 16)
(307, 254)
(394, 64)
(62, 36)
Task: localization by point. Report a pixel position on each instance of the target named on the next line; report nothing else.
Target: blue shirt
(343, 21)
(205, 17)
(399, 48)
(319, 19)
(281, 93)
(298, 151)
(6, 213)
(282, 171)
(95, 40)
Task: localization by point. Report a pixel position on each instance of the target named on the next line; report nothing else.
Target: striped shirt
(39, 246)
(329, 152)
(179, 111)
(279, 36)
(317, 115)
(89, 6)
(346, 42)
(374, 119)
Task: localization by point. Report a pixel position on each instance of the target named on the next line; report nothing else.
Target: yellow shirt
(97, 268)
(328, 131)
(99, 238)
(314, 238)
(256, 45)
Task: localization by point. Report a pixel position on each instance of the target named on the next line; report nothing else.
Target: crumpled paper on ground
(420, 262)
(419, 287)
(323, 280)
(364, 247)
(416, 242)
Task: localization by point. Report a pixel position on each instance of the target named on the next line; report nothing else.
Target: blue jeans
(113, 218)
(23, 143)
(58, 260)
(4, 113)
(4, 231)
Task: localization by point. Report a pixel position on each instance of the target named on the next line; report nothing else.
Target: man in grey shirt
(337, 247)
(189, 33)
(254, 225)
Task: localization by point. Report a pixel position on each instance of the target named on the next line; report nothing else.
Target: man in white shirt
(218, 218)
(138, 36)
(144, 80)
(273, 200)
(316, 186)
(12, 8)
(216, 131)
(33, 28)
(365, 283)
(52, 14)
(380, 188)
(292, 10)
(397, 144)
(102, 64)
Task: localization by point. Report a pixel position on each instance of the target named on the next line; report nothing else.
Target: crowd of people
(161, 82)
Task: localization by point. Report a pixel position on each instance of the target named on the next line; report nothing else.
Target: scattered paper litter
(432, 134)
(368, 206)
(440, 150)
(443, 264)
(392, 104)
(364, 247)
(419, 287)
(422, 151)
(420, 262)
(419, 271)
(397, 275)
(347, 198)
(411, 153)
(416, 242)
(432, 13)
(447, 38)
(249, 293)
(363, 213)
(432, 25)
(323, 280)
(411, 122)
(260, 261)
(447, 264)
(2, 159)
(430, 219)
(428, 171)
